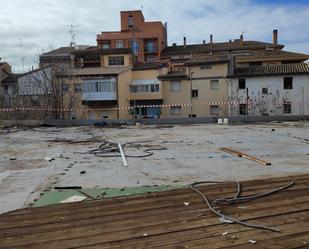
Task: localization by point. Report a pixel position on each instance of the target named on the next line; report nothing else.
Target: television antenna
(72, 32)
(23, 58)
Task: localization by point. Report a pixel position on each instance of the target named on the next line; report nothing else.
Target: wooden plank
(213, 191)
(117, 231)
(224, 188)
(123, 156)
(244, 155)
(180, 237)
(194, 199)
(168, 216)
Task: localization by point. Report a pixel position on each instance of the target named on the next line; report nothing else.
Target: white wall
(271, 103)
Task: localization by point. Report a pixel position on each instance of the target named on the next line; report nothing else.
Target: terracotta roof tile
(202, 60)
(284, 69)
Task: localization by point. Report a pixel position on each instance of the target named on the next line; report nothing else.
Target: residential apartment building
(280, 89)
(199, 89)
(199, 75)
(133, 74)
(145, 39)
(104, 84)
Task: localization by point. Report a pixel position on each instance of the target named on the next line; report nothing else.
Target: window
(176, 110)
(242, 83)
(214, 84)
(194, 94)
(206, 67)
(103, 85)
(90, 87)
(119, 44)
(265, 90)
(130, 21)
(287, 108)
(288, 83)
(243, 109)
(77, 88)
(145, 88)
(214, 110)
(65, 87)
(150, 47)
(255, 63)
(134, 46)
(175, 86)
(104, 115)
(106, 44)
(6, 90)
(115, 60)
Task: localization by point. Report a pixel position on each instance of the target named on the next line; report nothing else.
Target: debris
(68, 187)
(243, 155)
(74, 198)
(145, 173)
(61, 156)
(273, 129)
(252, 241)
(242, 207)
(145, 234)
(13, 159)
(186, 203)
(224, 220)
(225, 233)
(49, 159)
(85, 194)
(61, 218)
(123, 156)
(83, 172)
(109, 149)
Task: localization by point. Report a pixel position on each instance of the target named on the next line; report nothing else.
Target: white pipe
(229, 94)
(125, 162)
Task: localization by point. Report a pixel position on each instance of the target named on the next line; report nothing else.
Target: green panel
(54, 197)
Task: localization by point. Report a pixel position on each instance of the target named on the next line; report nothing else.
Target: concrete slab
(192, 155)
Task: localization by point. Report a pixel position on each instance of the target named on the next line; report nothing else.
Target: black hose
(237, 198)
(110, 149)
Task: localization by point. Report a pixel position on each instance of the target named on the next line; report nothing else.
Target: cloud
(43, 24)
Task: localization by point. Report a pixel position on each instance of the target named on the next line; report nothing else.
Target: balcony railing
(150, 49)
(99, 96)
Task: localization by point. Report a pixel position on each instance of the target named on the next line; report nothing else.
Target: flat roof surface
(192, 154)
(171, 219)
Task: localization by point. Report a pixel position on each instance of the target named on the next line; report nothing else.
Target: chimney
(185, 42)
(211, 39)
(275, 37)
(204, 41)
(174, 44)
(241, 40)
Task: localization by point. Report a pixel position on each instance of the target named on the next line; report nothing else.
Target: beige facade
(203, 85)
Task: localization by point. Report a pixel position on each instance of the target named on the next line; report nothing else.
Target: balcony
(99, 90)
(150, 49)
(146, 90)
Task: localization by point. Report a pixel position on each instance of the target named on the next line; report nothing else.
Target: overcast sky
(40, 25)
